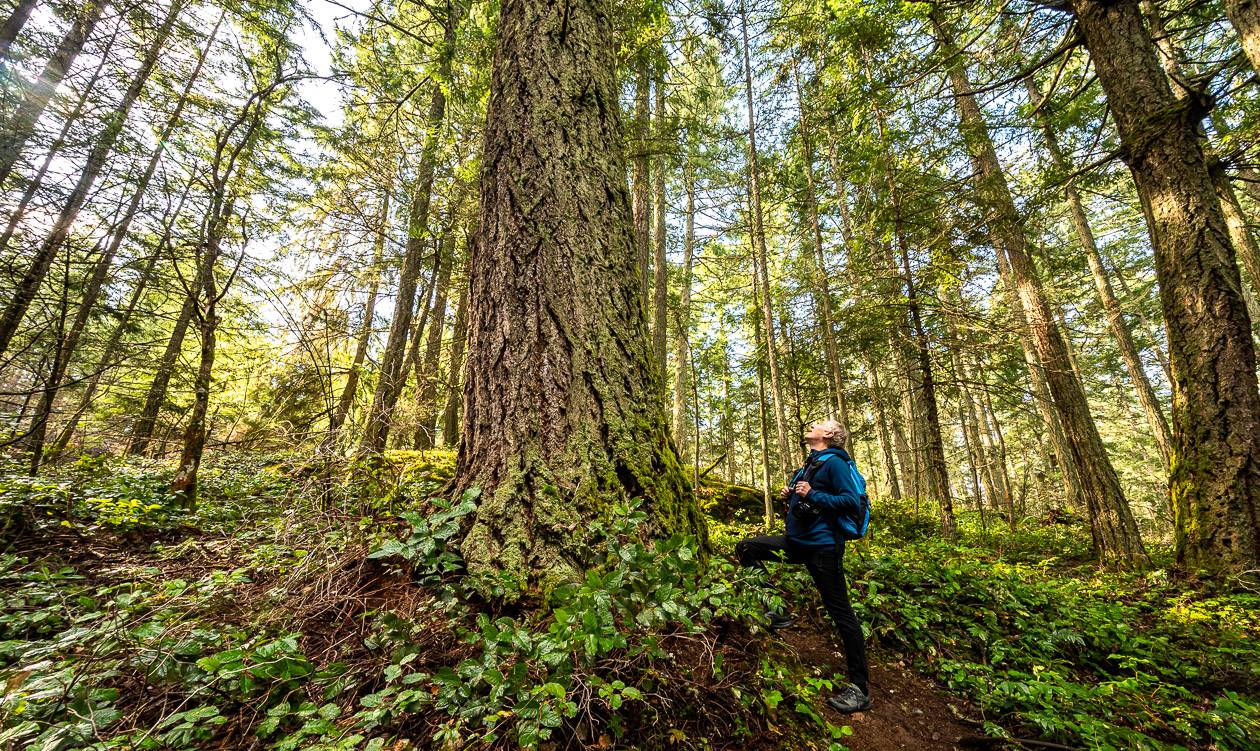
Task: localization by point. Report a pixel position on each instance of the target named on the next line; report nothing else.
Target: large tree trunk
(393, 371)
(13, 26)
(1215, 474)
(761, 261)
(14, 134)
(660, 265)
(682, 355)
(1114, 530)
(564, 413)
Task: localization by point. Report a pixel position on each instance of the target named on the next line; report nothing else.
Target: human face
(817, 436)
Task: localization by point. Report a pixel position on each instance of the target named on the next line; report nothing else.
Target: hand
(784, 492)
(802, 489)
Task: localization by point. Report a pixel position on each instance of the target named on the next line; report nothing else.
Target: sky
(325, 95)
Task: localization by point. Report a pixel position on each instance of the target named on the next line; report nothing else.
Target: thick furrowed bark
(564, 412)
(1214, 480)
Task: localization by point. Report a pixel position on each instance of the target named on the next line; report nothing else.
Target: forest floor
(908, 710)
(263, 619)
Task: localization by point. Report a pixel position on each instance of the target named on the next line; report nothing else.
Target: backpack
(849, 527)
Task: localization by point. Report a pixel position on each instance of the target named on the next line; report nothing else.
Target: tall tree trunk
(20, 126)
(682, 355)
(427, 370)
(450, 415)
(13, 26)
(564, 412)
(393, 372)
(36, 184)
(364, 338)
(881, 417)
(936, 472)
(70, 340)
(96, 159)
(1102, 284)
(641, 177)
(763, 426)
(660, 264)
(761, 258)
(1245, 17)
(142, 428)
(1215, 474)
(184, 484)
(1112, 525)
(839, 406)
(1239, 233)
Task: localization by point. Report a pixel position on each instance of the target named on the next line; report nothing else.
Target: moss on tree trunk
(564, 407)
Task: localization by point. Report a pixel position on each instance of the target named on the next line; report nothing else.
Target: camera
(804, 509)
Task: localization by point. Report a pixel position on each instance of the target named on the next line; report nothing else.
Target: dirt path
(908, 710)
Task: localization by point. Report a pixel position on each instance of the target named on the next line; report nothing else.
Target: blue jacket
(833, 489)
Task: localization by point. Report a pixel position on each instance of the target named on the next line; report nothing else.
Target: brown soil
(908, 710)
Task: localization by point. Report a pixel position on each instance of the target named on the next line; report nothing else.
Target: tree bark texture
(682, 353)
(1214, 480)
(564, 411)
(641, 178)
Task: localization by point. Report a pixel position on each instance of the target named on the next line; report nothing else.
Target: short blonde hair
(839, 436)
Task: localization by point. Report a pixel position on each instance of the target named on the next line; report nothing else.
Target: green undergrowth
(322, 605)
(1048, 646)
(309, 605)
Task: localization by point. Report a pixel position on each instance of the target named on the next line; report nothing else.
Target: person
(825, 488)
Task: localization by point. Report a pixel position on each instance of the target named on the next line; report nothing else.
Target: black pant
(826, 566)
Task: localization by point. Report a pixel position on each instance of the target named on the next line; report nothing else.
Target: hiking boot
(778, 621)
(851, 699)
